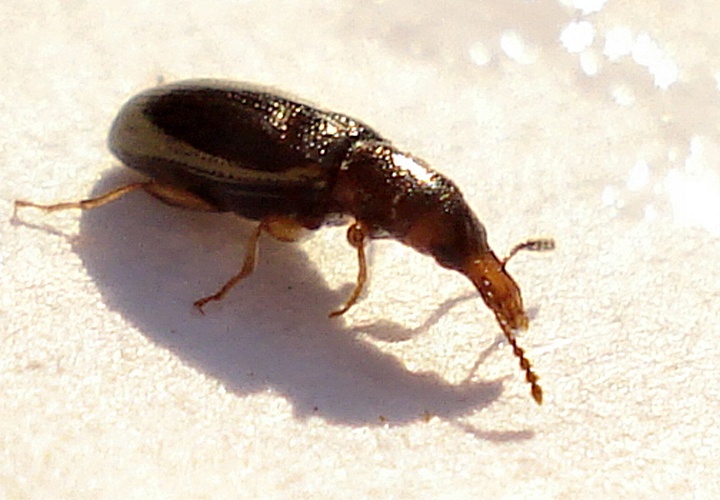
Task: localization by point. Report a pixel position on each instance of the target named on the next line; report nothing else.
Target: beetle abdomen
(242, 149)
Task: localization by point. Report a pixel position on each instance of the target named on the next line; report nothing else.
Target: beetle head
(499, 291)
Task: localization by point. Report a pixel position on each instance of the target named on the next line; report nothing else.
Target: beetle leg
(96, 202)
(178, 197)
(170, 195)
(247, 268)
(356, 236)
(285, 229)
(281, 228)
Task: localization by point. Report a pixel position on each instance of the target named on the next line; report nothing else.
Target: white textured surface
(595, 122)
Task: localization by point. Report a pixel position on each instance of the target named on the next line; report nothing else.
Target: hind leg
(168, 194)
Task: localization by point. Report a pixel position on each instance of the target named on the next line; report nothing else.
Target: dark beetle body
(269, 155)
(231, 147)
(250, 151)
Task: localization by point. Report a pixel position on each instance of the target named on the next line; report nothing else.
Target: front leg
(356, 236)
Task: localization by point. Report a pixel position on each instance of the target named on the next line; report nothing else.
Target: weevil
(222, 146)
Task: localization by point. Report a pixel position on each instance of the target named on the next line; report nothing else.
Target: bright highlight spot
(589, 63)
(610, 196)
(589, 6)
(479, 54)
(585, 6)
(513, 45)
(618, 43)
(577, 36)
(639, 176)
(694, 190)
(646, 52)
(623, 95)
(416, 169)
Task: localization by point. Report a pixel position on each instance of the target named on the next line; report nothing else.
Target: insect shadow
(151, 261)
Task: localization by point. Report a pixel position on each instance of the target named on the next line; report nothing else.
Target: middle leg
(281, 228)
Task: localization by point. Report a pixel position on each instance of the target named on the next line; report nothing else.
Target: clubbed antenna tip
(530, 376)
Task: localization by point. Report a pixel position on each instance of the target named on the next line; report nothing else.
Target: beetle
(222, 146)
